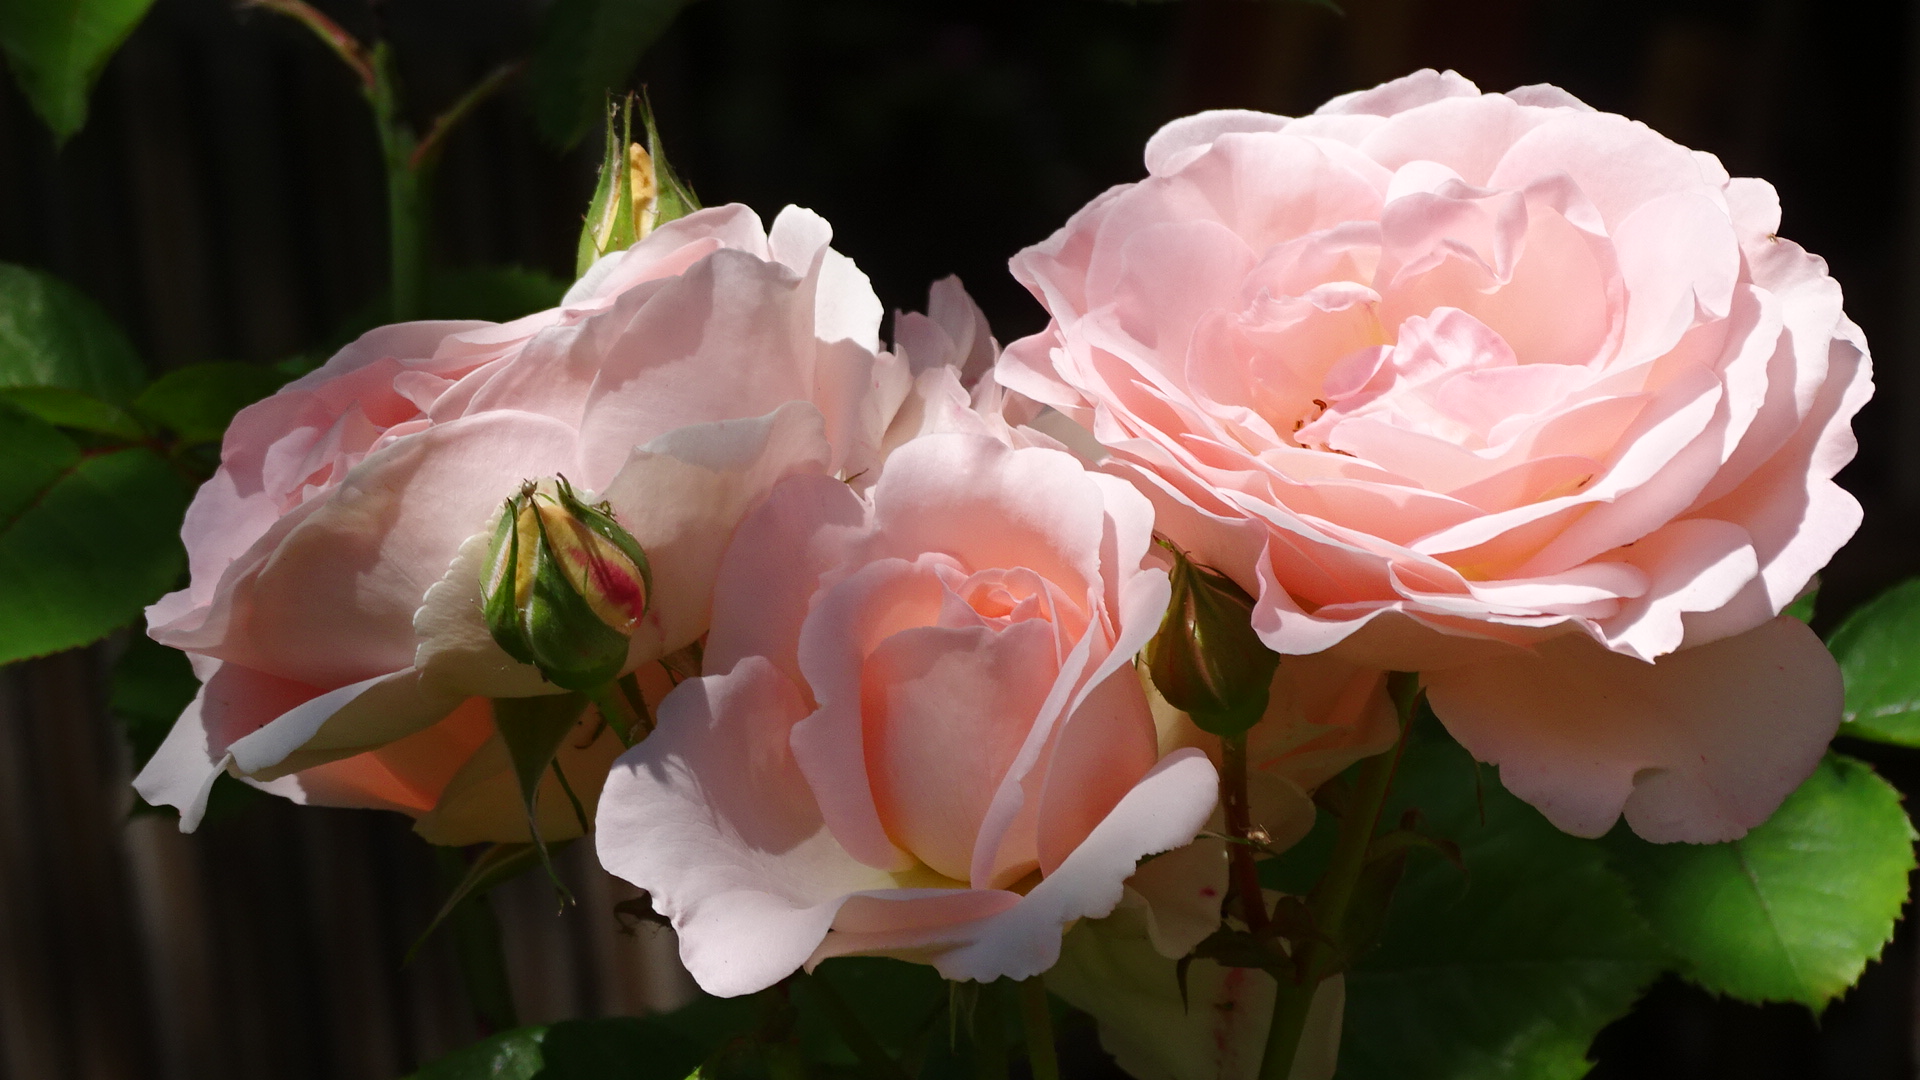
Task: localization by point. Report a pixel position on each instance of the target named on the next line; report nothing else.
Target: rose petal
(1698, 747)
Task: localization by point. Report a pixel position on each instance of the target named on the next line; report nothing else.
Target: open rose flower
(924, 736)
(1494, 387)
(334, 612)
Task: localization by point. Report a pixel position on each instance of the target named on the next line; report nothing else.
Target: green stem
(1037, 1020)
(1334, 892)
(1240, 863)
(406, 213)
(616, 708)
(428, 151)
(475, 934)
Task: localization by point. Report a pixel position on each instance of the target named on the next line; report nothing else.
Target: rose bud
(1206, 660)
(564, 586)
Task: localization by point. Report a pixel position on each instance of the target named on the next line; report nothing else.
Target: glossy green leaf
(1507, 971)
(57, 49)
(1795, 909)
(586, 49)
(1878, 647)
(85, 554)
(198, 402)
(36, 455)
(52, 334)
(72, 409)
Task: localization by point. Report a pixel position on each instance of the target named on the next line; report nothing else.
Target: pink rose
(334, 609)
(1494, 387)
(925, 737)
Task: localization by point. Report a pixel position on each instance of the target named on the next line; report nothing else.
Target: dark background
(225, 202)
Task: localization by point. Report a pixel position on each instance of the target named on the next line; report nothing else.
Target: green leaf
(1507, 971)
(1795, 909)
(88, 552)
(73, 409)
(36, 454)
(1803, 605)
(586, 49)
(609, 225)
(198, 402)
(52, 334)
(662, 1047)
(57, 49)
(510, 1055)
(1878, 647)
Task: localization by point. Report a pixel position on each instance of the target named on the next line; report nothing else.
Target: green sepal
(500, 593)
(610, 225)
(497, 865)
(532, 728)
(673, 197)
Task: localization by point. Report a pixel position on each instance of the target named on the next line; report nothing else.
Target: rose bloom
(333, 614)
(1494, 387)
(924, 735)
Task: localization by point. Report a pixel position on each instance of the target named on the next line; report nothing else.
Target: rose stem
(1233, 797)
(408, 161)
(616, 710)
(1334, 892)
(475, 934)
(1037, 1019)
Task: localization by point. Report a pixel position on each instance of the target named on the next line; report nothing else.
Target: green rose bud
(1206, 659)
(564, 585)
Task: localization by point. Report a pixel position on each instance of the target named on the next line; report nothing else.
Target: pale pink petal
(1423, 87)
(233, 702)
(1180, 141)
(712, 816)
(1098, 754)
(945, 711)
(1699, 746)
(340, 723)
(807, 525)
(682, 496)
(334, 604)
(1162, 812)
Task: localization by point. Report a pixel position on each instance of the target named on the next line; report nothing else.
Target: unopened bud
(1206, 660)
(637, 188)
(564, 586)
